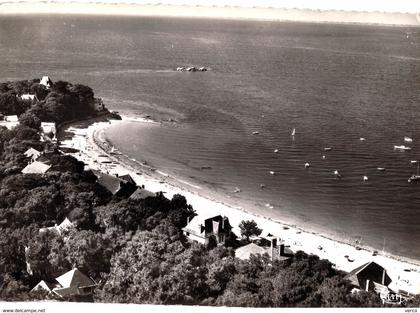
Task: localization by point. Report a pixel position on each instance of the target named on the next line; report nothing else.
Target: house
(32, 153)
(36, 168)
(72, 283)
(27, 96)
(364, 276)
(215, 228)
(245, 252)
(65, 225)
(271, 245)
(127, 178)
(115, 185)
(47, 286)
(142, 193)
(11, 118)
(43, 159)
(49, 129)
(46, 81)
(9, 121)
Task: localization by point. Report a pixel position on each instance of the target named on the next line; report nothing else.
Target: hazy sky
(412, 6)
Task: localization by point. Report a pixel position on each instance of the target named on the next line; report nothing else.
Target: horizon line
(82, 7)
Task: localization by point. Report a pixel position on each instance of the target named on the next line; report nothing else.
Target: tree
(414, 302)
(249, 228)
(30, 120)
(89, 251)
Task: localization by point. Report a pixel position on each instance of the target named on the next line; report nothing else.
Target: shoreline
(255, 13)
(91, 143)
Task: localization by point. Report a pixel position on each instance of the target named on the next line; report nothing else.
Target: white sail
(293, 131)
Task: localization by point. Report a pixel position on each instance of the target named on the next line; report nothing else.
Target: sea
(218, 130)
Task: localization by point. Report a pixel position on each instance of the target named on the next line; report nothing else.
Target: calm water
(333, 83)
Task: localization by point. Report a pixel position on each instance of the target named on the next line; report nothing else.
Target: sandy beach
(94, 149)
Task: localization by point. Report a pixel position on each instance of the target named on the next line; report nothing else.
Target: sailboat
(415, 177)
(293, 131)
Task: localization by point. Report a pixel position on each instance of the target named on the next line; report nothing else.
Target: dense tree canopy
(134, 249)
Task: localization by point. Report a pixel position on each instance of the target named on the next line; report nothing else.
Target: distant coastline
(220, 12)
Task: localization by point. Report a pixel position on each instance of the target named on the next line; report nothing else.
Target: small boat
(293, 131)
(374, 253)
(365, 178)
(262, 186)
(191, 69)
(415, 177)
(202, 69)
(236, 190)
(307, 165)
(327, 149)
(358, 248)
(413, 161)
(362, 139)
(408, 139)
(350, 260)
(323, 156)
(255, 132)
(336, 173)
(276, 150)
(402, 148)
(381, 169)
(272, 173)
(268, 205)
(206, 167)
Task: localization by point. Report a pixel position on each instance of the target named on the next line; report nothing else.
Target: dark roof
(127, 178)
(222, 223)
(371, 271)
(115, 185)
(141, 194)
(112, 183)
(43, 159)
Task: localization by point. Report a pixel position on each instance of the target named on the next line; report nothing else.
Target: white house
(65, 225)
(36, 168)
(48, 128)
(27, 96)
(202, 229)
(74, 283)
(9, 121)
(32, 153)
(46, 81)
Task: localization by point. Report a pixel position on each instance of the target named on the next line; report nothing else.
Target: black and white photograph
(209, 154)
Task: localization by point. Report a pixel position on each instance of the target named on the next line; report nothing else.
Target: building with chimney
(364, 276)
(215, 228)
(271, 245)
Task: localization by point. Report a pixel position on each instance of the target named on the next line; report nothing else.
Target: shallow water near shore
(333, 83)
